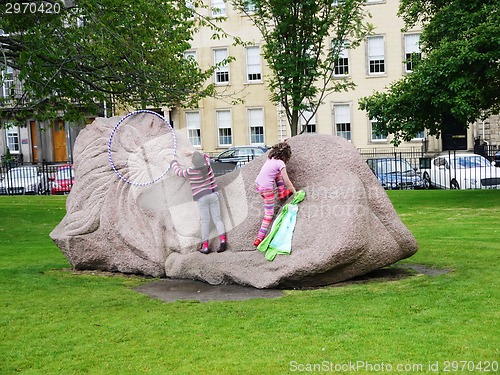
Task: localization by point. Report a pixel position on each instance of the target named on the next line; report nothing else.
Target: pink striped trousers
(268, 196)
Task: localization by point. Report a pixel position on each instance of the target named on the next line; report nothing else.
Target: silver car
(463, 171)
(23, 180)
(240, 154)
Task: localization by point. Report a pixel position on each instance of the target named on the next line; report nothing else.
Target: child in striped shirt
(204, 191)
(273, 172)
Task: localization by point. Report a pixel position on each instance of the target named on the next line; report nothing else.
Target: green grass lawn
(56, 322)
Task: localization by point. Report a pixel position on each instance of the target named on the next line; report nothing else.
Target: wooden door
(59, 141)
(34, 141)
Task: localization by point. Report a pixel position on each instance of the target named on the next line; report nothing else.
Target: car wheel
(427, 180)
(454, 184)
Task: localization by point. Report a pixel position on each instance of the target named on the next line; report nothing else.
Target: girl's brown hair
(199, 163)
(281, 151)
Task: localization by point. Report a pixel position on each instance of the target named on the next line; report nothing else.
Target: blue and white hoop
(123, 178)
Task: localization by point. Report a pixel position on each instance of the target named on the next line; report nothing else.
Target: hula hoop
(123, 178)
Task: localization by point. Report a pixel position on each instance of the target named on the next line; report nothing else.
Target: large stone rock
(345, 227)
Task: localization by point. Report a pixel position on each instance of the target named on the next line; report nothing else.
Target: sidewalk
(170, 290)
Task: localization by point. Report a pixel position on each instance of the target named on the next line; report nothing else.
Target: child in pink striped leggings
(273, 171)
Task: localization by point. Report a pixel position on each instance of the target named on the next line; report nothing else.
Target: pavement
(170, 290)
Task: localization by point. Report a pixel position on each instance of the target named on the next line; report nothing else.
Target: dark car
(63, 180)
(496, 158)
(396, 174)
(240, 155)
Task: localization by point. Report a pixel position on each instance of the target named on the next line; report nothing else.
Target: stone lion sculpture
(345, 227)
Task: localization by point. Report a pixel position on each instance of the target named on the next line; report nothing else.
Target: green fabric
(298, 197)
(279, 238)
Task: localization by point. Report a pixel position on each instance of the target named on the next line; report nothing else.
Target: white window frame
(191, 54)
(254, 66)
(250, 7)
(223, 121)
(377, 137)
(311, 127)
(344, 54)
(419, 137)
(194, 128)
(7, 81)
(190, 4)
(221, 73)
(342, 117)
(13, 140)
(411, 46)
(376, 55)
(218, 8)
(255, 118)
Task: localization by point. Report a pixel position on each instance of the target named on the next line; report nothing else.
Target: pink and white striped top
(201, 184)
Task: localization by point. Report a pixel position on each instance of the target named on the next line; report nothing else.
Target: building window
(377, 135)
(193, 128)
(256, 125)
(188, 55)
(254, 71)
(376, 58)
(218, 8)
(191, 7)
(13, 140)
(419, 136)
(341, 66)
(223, 119)
(342, 120)
(412, 51)
(7, 81)
(222, 72)
(305, 117)
(249, 6)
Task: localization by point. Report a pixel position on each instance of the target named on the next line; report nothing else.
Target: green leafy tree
(458, 79)
(71, 60)
(296, 35)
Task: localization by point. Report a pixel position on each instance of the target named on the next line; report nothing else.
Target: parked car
(396, 174)
(63, 180)
(240, 154)
(496, 158)
(24, 180)
(462, 171)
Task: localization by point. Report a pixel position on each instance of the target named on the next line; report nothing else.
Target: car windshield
(259, 151)
(64, 174)
(22, 173)
(245, 152)
(227, 154)
(394, 166)
(471, 162)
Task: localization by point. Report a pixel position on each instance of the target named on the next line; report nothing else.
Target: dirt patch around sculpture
(171, 290)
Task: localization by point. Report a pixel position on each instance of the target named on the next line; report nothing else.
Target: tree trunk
(294, 122)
